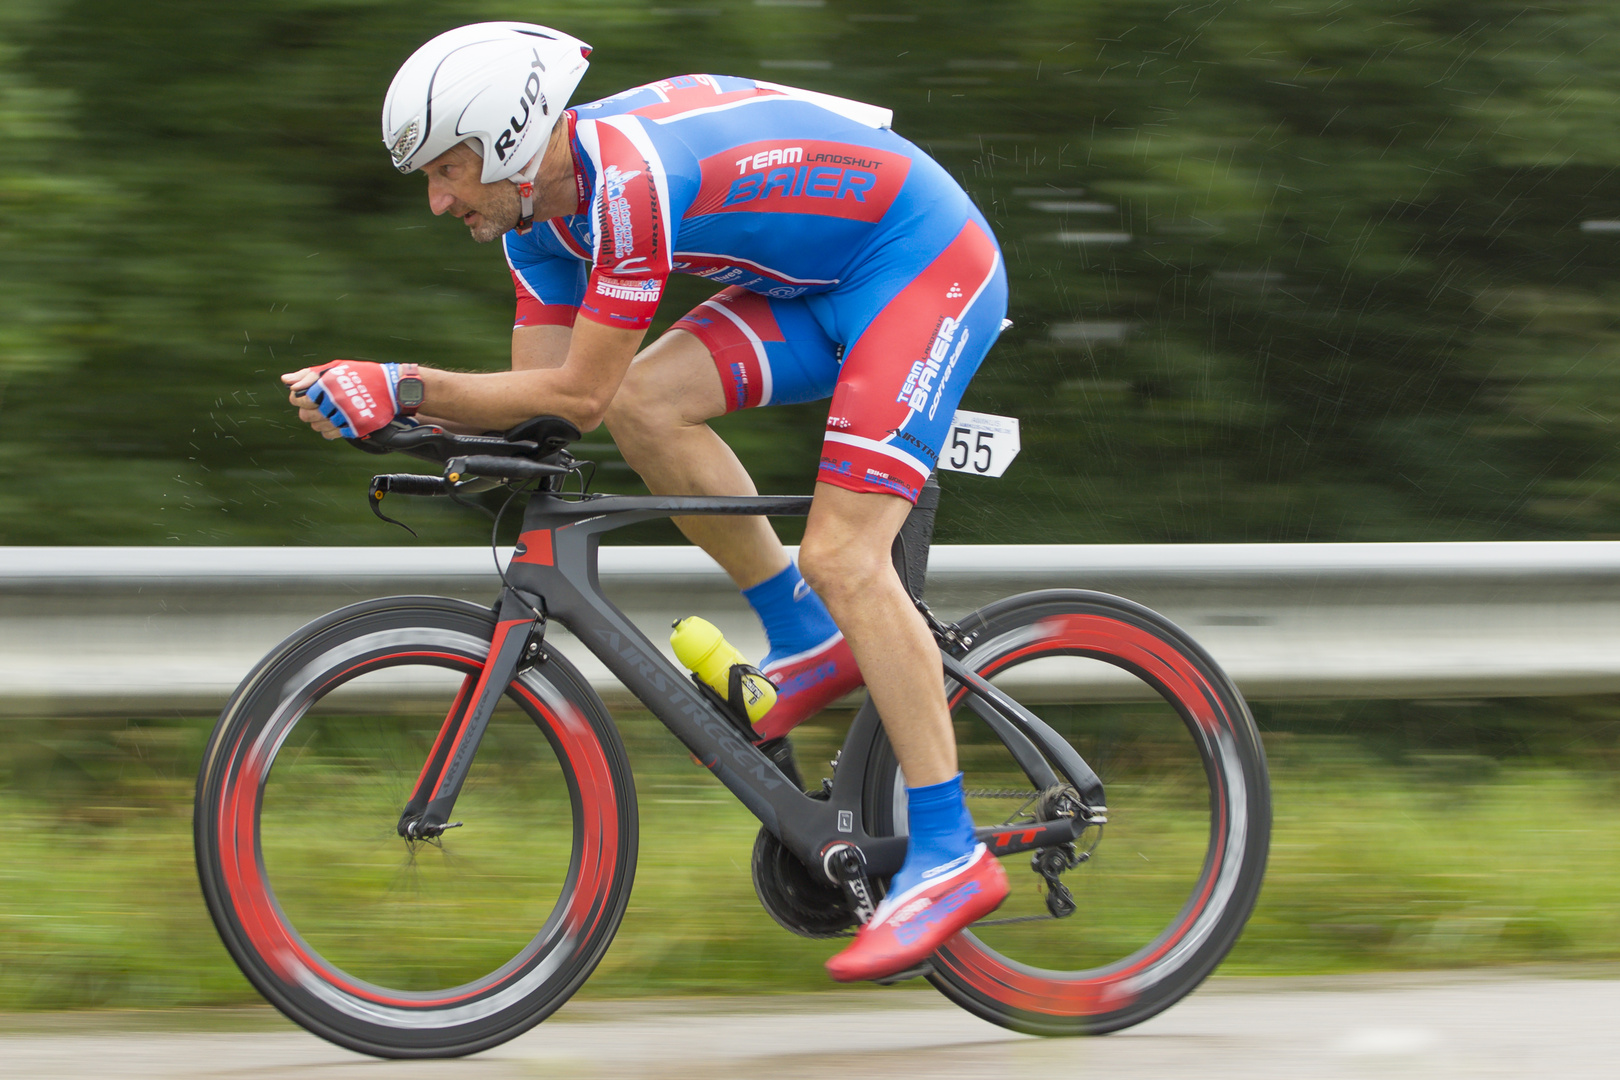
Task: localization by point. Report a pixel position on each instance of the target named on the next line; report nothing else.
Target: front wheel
(1162, 891)
(404, 948)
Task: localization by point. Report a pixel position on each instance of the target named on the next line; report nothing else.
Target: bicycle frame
(553, 576)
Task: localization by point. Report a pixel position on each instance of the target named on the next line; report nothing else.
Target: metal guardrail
(140, 630)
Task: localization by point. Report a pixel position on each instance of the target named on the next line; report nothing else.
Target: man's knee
(664, 388)
(638, 396)
(840, 565)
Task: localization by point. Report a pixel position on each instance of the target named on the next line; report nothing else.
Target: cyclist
(854, 267)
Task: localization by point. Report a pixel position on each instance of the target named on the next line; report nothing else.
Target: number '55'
(960, 450)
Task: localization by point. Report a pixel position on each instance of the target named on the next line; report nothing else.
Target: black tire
(1163, 898)
(403, 949)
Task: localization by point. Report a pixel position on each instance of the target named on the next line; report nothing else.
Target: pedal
(922, 970)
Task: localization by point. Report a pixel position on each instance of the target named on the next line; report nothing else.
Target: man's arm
(540, 346)
(580, 388)
(532, 347)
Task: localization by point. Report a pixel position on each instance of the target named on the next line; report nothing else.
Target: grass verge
(1386, 854)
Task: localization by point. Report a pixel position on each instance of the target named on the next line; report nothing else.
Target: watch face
(410, 392)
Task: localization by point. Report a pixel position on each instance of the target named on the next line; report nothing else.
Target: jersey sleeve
(548, 288)
(630, 207)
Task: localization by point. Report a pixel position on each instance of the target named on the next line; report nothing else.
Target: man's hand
(346, 398)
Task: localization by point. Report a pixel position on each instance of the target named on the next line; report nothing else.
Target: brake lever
(407, 484)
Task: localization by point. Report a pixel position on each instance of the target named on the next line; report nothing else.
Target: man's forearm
(560, 372)
(503, 399)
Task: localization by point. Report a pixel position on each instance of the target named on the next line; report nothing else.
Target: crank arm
(1036, 730)
(848, 869)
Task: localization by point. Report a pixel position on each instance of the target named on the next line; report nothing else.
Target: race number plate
(980, 443)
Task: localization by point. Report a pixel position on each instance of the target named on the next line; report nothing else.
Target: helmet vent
(404, 143)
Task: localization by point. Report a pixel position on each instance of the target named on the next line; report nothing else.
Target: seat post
(916, 536)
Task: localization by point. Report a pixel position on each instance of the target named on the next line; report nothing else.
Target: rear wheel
(1162, 891)
(393, 947)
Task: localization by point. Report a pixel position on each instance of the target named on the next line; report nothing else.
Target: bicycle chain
(1014, 919)
(987, 793)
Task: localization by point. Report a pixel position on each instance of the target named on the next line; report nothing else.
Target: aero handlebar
(534, 449)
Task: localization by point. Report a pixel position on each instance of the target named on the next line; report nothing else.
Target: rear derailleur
(1052, 862)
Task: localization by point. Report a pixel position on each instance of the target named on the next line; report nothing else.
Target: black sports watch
(409, 390)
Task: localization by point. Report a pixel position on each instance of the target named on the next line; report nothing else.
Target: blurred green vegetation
(1337, 269)
(1407, 835)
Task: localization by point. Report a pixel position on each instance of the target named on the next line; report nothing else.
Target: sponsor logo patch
(914, 907)
(830, 179)
(621, 289)
(507, 140)
(926, 920)
(618, 209)
(352, 391)
(920, 379)
(948, 868)
(806, 679)
(787, 155)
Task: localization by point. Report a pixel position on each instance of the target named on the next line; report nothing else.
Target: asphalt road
(1386, 1027)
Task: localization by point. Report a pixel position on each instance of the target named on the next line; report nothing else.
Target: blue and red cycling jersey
(831, 232)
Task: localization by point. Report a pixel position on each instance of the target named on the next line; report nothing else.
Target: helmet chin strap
(525, 185)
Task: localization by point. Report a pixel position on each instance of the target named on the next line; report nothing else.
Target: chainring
(791, 896)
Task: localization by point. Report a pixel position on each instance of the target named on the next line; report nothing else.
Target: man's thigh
(674, 375)
(905, 373)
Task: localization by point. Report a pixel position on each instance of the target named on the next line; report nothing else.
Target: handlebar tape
(410, 484)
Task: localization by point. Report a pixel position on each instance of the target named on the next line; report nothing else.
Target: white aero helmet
(502, 85)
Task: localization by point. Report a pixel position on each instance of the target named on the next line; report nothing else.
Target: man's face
(488, 210)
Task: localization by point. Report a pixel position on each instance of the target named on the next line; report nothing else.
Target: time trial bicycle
(416, 825)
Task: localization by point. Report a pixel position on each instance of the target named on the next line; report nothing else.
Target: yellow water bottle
(698, 645)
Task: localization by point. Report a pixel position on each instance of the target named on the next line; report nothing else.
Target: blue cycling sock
(941, 833)
(795, 618)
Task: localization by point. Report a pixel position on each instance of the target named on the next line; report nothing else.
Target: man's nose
(439, 200)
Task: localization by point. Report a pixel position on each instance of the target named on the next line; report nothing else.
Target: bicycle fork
(516, 642)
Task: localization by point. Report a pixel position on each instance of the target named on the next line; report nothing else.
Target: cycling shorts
(894, 347)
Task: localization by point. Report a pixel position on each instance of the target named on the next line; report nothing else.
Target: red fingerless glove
(357, 396)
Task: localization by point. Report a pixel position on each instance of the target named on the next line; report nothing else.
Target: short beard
(500, 215)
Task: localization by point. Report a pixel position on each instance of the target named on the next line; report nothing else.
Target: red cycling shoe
(806, 683)
(907, 928)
